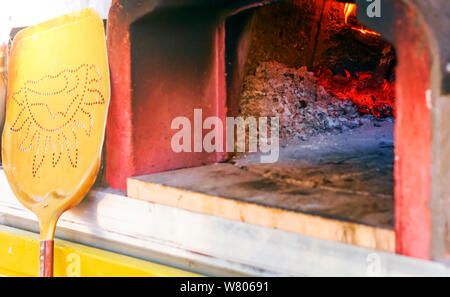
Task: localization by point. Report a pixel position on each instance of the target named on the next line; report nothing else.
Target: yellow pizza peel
(57, 101)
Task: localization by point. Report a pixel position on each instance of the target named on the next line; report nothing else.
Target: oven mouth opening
(179, 59)
(331, 83)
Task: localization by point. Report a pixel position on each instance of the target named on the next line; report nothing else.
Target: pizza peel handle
(57, 101)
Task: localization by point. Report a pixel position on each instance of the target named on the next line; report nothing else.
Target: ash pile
(304, 107)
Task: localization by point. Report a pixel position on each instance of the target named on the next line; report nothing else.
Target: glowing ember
(372, 96)
(304, 106)
(350, 9)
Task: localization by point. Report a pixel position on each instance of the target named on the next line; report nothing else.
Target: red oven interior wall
(119, 134)
(163, 66)
(412, 142)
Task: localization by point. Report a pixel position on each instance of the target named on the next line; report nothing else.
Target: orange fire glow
(369, 94)
(350, 9)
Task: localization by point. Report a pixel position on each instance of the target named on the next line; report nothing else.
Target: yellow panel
(19, 252)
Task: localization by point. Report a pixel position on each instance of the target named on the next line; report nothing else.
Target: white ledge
(208, 244)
